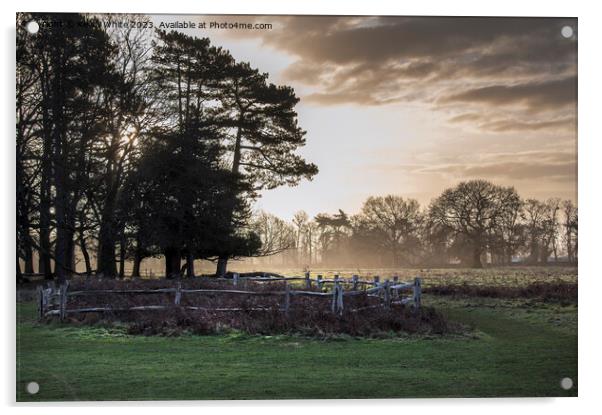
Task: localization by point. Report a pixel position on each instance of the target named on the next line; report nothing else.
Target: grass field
(492, 276)
(517, 348)
(514, 275)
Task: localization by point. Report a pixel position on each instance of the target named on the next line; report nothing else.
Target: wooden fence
(52, 300)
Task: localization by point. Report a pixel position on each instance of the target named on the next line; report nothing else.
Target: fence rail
(52, 300)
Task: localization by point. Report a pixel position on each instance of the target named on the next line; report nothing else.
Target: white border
(590, 204)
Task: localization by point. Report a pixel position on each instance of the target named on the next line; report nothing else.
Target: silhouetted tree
(262, 132)
(541, 221)
(130, 106)
(508, 236)
(549, 243)
(177, 199)
(569, 226)
(300, 220)
(276, 235)
(72, 63)
(212, 217)
(27, 148)
(334, 231)
(473, 209)
(392, 223)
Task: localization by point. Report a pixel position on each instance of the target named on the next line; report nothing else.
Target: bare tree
(473, 209)
(534, 215)
(130, 114)
(541, 221)
(549, 234)
(311, 230)
(27, 149)
(72, 71)
(300, 221)
(392, 223)
(508, 237)
(276, 235)
(569, 226)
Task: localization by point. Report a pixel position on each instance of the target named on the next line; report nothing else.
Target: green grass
(516, 350)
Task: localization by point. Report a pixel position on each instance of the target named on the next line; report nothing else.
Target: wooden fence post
(417, 293)
(339, 299)
(40, 301)
(354, 280)
(319, 282)
(63, 300)
(46, 295)
(335, 289)
(387, 294)
(178, 293)
(307, 280)
(377, 284)
(287, 298)
(51, 299)
(395, 293)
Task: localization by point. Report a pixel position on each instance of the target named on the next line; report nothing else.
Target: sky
(413, 105)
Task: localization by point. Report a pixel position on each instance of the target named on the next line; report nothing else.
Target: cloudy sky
(412, 105)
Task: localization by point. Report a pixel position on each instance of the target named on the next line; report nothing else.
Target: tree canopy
(132, 143)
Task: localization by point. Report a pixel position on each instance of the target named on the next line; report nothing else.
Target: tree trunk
(569, 244)
(310, 248)
(71, 253)
(222, 262)
(62, 259)
(476, 258)
(534, 255)
(44, 266)
(222, 266)
(86, 255)
(106, 252)
(24, 241)
(138, 257)
(544, 255)
(106, 234)
(394, 256)
(190, 265)
(19, 272)
(173, 260)
(61, 256)
(28, 256)
(47, 157)
(122, 251)
(64, 264)
(137, 262)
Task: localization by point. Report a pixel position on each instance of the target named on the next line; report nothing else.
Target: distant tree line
(133, 143)
(474, 223)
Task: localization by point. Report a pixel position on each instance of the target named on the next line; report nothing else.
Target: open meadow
(489, 276)
(520, 346)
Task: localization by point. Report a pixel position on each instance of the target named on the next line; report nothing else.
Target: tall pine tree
(262, 133)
